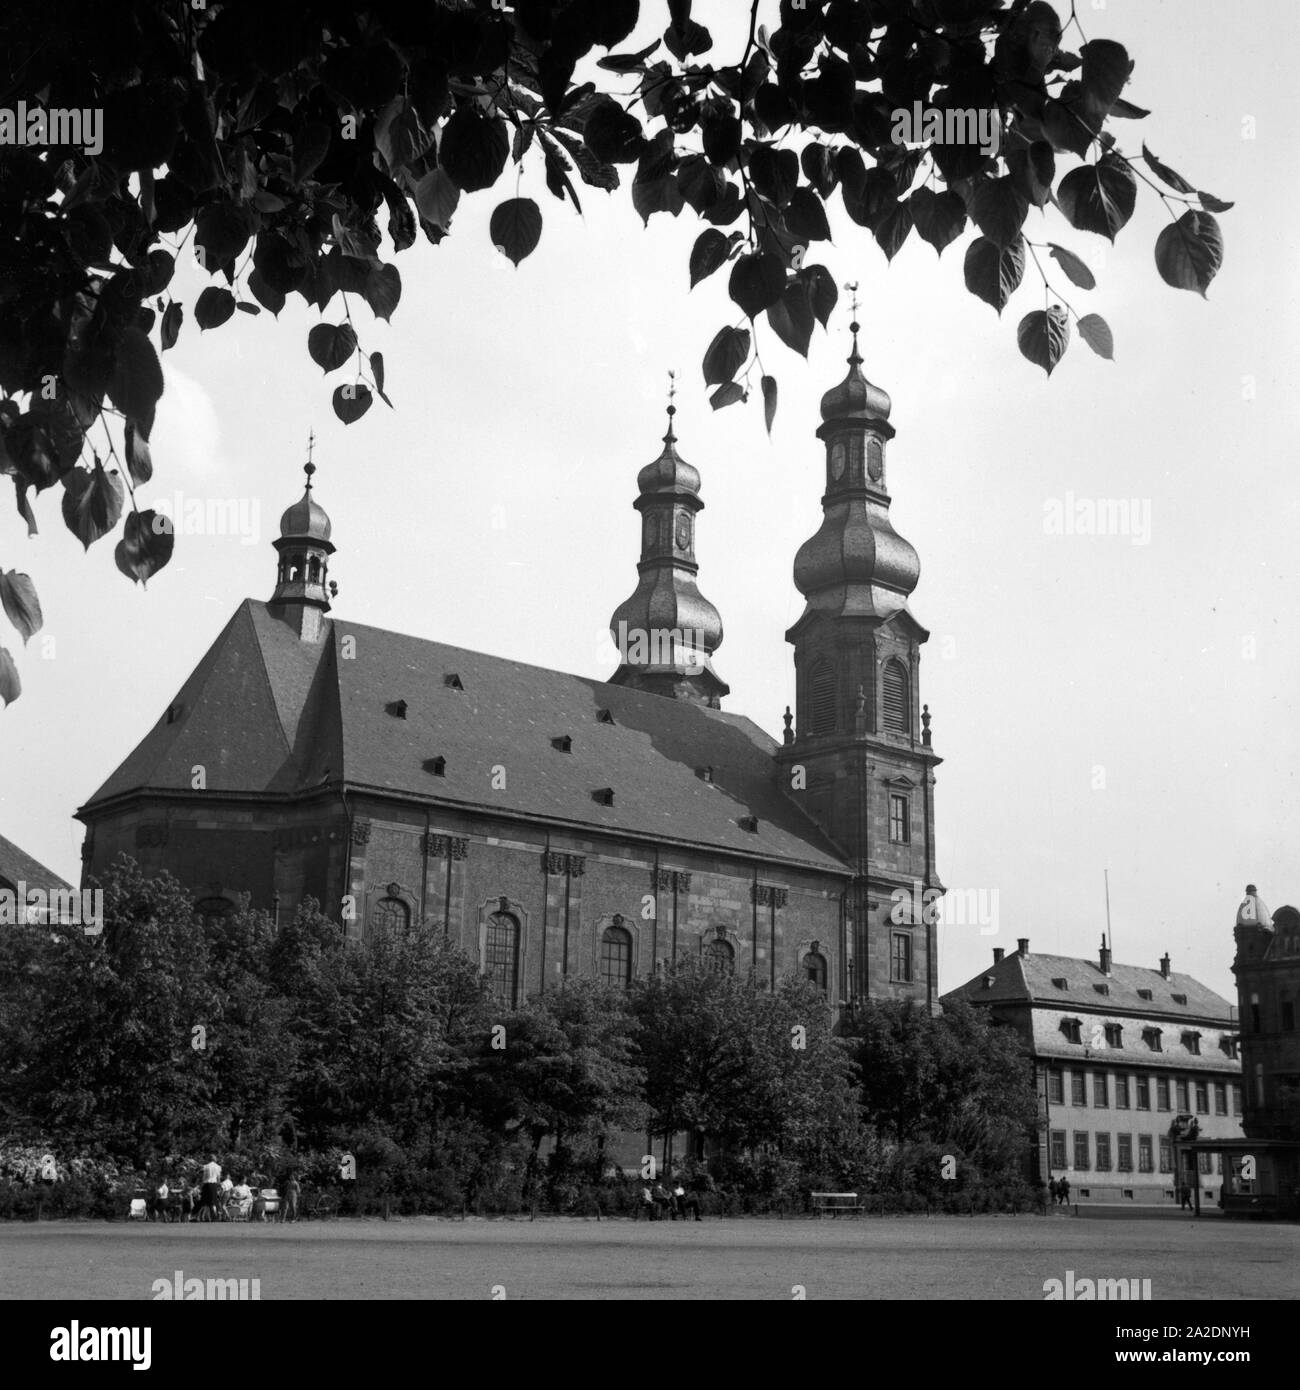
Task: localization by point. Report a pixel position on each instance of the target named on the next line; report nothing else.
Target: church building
(556, 825)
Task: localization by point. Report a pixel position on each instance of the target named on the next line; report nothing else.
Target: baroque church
(554, 825)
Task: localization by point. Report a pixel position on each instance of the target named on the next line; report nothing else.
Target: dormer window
(173, 713)
(1061, 982)
(1114, 1035)
(1228, 1046)
(1073, 1029)
(1192, 1042)
(397, 708)
(604, 796)
(604, 717)
(1152, 1036)
(749, 823)
(453, 682)
(1179, 998)
(705, 774)
(563, 744)
(1145, 994)
(1102, 988)
(437, 767)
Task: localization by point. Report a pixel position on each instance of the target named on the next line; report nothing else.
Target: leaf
(1044, 335)
(516, 228)
(92, 503)
(822, 294)
(939, 218)
(774, 173)
(1065, 129)
(351, 402)
(331, 344)
(769, 402)
(10, 686)
(792, 318)
(18, 598)
(213, 307)
(146, 546)
(1099, 197)
(1189, 252)
(611, 134)
(892, 228)
(725, 355)
(708, 253)
(1073, 267)
(139, 463)
(1095, 331)
(310, 146)
(473, 149)
(1033, 170)
(757, 281)
(173, 317)
(627, 62)
(266, 294)
(1128, 111)
(818, 164)
(1106, 68)
(1162, 171)
(999, 209)
(806, 217)
(245, 307)
(137, 381)
(377, 371)
(1212, 204)
(657, 195)
(727, 394)
(993, 273)
(437, 196)
(382, 290)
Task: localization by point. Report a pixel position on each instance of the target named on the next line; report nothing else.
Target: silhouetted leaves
(351, 402)
(1095, 331)
(1189, 252)
(939, 218)
(474, 148)
(21, 606)
(757, 281)
(213, 307)
(725, 355)
(92, 503)
(516, 228)
(1043, 336)
(146, 546)
(1073, 267)
(769, 401)
(1099, 197)
(331, 344)
(708, 254)
(993, 272)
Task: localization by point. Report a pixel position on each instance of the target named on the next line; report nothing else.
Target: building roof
(17, 866)
(268, 714)
(1031, 979)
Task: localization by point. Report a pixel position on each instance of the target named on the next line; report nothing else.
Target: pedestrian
(1184, 1197)
(1063, 1188)
(1053, 1191)
(211, 1192)
(289, 1198)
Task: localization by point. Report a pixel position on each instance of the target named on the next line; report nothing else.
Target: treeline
(141, 1051)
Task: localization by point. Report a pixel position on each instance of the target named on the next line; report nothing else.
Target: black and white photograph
(650, 653)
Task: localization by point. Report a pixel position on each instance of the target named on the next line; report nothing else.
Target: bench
(835, 1202)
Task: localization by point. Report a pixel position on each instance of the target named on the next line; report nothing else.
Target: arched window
(898, 707)
(212, 912)
(313, 569)
(822, 688)
(389, 917)
(814, 969)
(296, 569)
(501, 958)
(720, 958)
(616, 957)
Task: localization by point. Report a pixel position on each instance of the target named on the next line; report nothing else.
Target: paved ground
(891, 1257)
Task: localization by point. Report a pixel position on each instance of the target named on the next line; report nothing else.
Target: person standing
(1053, 1191)
(211, 1194)
(1063, 1188)
(289, 1198)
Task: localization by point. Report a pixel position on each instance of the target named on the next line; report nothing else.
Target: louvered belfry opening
(896, 704)
(823, 698)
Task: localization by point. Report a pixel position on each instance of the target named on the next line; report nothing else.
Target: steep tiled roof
(1031, 979)
(17, 866)
(267, 713)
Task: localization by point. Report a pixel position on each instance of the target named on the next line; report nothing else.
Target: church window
(501, 958)
(719, 958)
(389, 917)
(616, 957)
(898, 714)
(313, 569)
(814, 969)
(213, 911)
(900, 957)
(822, 686)
(899, 828)
(296, 569)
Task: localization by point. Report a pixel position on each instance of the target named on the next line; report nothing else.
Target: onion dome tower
(667, 631)
(860, 761)
(302, 587)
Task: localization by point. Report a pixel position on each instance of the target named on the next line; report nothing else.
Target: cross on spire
(309, 467)
(670, 437)
(854, 357)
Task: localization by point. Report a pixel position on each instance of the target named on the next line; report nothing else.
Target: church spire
(302, 586)
(667, 631)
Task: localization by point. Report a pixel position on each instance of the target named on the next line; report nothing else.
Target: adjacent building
(1128, 1061)
(555, 825)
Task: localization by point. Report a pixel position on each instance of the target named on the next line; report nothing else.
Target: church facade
(554, 825)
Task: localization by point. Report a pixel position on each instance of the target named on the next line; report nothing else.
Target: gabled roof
(265, 713)
(17, 866)
(1030, 979)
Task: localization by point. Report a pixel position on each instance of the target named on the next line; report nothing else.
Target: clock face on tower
(837, 462)
(683, 532)
(875, 460)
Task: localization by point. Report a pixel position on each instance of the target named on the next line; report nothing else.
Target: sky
(1121, 703)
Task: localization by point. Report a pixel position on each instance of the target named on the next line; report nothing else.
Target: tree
(272, 138)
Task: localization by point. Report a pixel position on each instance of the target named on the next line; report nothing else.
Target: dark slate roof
(1028, 979)
(266, 713)
(17, 866)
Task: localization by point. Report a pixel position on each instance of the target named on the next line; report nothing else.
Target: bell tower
(860, 759)
(302, 585)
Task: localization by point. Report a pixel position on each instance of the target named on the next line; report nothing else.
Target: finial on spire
(670, 437)
(854, 357)
(925, 725)
(309, 467)
(788, 736)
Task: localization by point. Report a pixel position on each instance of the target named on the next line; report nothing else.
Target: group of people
(658, 1201)
(1059, 1190)
(217, 1197)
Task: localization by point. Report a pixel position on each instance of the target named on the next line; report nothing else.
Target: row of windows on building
(896, 704)
(1152, 1037)
(1134, 1092)
(1093, 1153)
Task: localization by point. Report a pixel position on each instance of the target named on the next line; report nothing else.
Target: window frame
(1124, 1153)
(616, 934)
(900, 818)
(905, 938)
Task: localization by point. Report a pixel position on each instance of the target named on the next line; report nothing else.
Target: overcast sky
(1099, 702)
